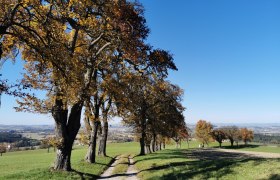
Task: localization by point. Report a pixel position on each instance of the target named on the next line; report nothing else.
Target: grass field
(35, 164)
(167, 164)
(181, 164)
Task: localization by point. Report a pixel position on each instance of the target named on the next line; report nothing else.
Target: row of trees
(204, 133)
(90, 57)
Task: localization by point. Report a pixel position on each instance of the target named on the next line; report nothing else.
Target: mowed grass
(226, 145)
(170, 163)
(181, 164)
(255, 147)
(35, 164)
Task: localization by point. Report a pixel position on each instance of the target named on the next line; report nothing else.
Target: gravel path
(215, 153)
(131, 173)
(252, 153)
(106, 174)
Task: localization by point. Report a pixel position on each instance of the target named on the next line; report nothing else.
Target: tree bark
(103, 140)
(148, 148)
(154, 143)
(66, 130)
(231, 142)
(143, 136)
(91, 154)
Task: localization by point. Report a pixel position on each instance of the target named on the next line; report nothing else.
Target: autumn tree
(232, 133)
(3, 149)
(203, 131)
(246, 135)
(64, 43)
(83, 138)
(105, 107)
(219, 135)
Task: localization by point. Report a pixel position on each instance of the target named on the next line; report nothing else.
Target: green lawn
(255, 147)
(182, 164)
(35, 164)
(166, 164)
(250, 147)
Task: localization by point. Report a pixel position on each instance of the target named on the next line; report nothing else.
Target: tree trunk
(154, 142)
(66, 130)
(220, 144)
(143, 134)
(63, 158)
(164, 144)
(160, 146)
(103, 140)
(142, 145)
(90, 157)
(231, 142)
(148, 149)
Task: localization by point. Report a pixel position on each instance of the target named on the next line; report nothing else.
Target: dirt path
(107, 174)
(131, 173)
(252, 153)
(213, 154)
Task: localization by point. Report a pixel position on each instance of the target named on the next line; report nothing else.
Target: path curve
(106, 174)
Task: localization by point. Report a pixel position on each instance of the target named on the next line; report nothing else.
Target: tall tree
(203, 131)
(64, 42)
(232, 133)
(246, 135)
(219, 136)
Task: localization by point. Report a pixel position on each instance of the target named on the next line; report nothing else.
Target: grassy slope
(255, 147)
(166, 164)
(174, 164)
(34, 164)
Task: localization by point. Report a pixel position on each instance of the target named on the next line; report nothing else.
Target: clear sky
(227, 53)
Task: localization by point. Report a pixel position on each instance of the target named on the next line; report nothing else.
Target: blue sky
(227, 53)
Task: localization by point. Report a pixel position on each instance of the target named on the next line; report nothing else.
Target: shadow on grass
(124, 175)
(240, 146)
(166, 154)
(84, 175)
(206, 164)
(274, 177)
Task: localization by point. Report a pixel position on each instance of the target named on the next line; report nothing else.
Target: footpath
(131, 173)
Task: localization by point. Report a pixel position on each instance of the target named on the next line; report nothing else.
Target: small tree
(45, 144)
(219, 136)
(232, 133)
(83, 138)
(203, 131)
(246, 135)
(3, 149)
